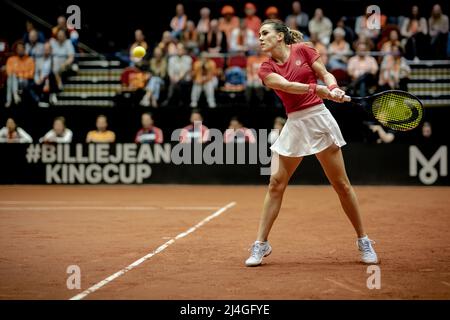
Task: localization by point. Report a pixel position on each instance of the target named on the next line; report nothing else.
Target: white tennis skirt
(308, 132)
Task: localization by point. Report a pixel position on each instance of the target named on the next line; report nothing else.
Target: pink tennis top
(296, 69)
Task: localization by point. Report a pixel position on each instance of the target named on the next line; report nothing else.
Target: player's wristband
(333, 86)
(312, 88)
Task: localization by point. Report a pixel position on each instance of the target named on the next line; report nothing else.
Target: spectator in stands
(291, 23)
(158, 72)
(278, 125)
(272, 13)
(189, 38)
(252, 21)
(30, 27)
(204, 21)
(414, 29)
(178, 22)
(363, 29)
(301, 18)
(426, 135)
(362, 68)
(215, 40)
(203, 25)
(70, 30)
(339, 51)
(44, 80)
(228, 22)
(254, 83)
(33, 47)
(20, 71)
(394, 71)
(11, 133)
(59, 134)
(139, 40)
(102, 134)
(320, 47)
(392, 42)
(179, 70)
(364, 39)
(196, 131)
(237, 133)
(350, 35)
(243, 39)
(63, 56)
(321, 26)
(168, 44)
(204, 79)
(438, 26)
(133, 78)
(148, 133)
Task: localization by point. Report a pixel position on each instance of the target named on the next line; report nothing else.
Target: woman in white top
(59, 133)
(11, 133)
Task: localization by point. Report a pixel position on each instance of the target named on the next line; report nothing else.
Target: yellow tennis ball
(139, 52)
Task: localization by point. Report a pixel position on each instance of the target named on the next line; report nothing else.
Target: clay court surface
(104, 229)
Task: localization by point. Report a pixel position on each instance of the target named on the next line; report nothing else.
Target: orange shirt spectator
(228, 22)
(204, 71)
(22, 67)
(252, 21)
(272, 13)
(102, 134)
(132, 79)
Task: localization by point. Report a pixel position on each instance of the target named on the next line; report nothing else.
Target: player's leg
(333, 165)
(282, 170)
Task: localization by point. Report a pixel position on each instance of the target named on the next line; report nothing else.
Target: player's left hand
(337, 95)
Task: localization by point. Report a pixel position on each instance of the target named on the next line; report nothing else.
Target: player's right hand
(323, 92)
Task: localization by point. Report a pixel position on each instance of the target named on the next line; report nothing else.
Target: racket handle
(347, 98)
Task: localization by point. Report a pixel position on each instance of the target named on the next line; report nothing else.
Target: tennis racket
(394, 109)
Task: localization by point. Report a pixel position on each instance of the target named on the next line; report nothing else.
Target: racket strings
(398, 111)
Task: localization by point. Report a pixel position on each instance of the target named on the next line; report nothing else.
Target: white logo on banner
(428, 174)
(98, 163)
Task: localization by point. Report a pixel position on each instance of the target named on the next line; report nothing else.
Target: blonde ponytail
(295, 36)
(290, 36)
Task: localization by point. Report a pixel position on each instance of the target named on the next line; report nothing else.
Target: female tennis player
(292, 72)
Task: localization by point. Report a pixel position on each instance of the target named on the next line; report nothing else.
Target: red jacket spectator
(148, 133)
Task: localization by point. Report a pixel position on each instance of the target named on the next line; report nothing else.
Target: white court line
(339, 284)
(79, 208)
(151, 254)
(103, 208)
(190, 208)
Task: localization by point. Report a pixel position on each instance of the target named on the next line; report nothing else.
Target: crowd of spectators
(195, 131)
(37, 65)
(219, 52)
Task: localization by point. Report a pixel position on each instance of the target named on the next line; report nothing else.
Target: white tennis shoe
(259, 250)
(368, 254)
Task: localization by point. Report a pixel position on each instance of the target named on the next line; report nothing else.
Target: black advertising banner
(213, 163)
